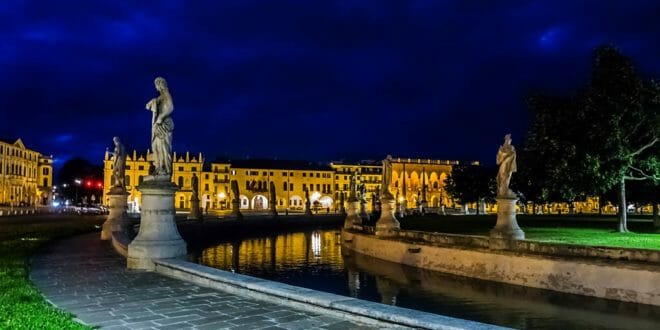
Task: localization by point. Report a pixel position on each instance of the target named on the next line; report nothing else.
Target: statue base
(507, 226)
(158, 237)
(236, 210)
(195, 212)
(387, 225)
(117, 219)
(308, 209)
(363, 211)
(352, 218)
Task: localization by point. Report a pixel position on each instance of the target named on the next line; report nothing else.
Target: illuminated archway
(259, 202)
(326, 201)
(245, 202)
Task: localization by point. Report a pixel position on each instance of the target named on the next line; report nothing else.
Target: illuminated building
(290, 178)
(26, 176)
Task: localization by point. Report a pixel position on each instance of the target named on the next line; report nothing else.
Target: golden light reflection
(277, 252)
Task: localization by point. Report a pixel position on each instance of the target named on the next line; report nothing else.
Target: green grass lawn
(21, 304)
(571, 229)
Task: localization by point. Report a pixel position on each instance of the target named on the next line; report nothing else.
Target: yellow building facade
(291, 179)
(26, 176)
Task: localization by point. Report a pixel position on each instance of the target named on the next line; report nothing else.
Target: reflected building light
(316, 244)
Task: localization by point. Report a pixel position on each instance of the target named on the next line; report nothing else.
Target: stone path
(85, 277)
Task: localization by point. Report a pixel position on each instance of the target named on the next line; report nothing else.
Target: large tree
(620, 114)
(471, 183)
(598, 138)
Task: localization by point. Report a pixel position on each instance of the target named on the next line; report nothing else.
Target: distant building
(26, 176)
(291, 178)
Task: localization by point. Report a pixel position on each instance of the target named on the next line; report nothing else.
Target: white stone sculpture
(162, 127)
(119, 163)
(506, 159)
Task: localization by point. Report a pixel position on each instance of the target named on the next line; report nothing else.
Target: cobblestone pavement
(85, 277)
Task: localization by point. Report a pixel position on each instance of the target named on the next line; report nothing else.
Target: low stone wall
(363, 311)
(530, 247)
(598, 277)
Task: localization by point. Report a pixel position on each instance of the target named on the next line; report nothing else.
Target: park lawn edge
(22, 306)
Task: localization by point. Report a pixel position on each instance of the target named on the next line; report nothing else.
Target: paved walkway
(85, 277)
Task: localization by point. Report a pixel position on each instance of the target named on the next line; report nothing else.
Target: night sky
(316, 80)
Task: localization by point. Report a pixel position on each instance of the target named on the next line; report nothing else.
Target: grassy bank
(21, 304)
(571, 229)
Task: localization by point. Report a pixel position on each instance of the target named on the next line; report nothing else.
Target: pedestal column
(353, 218)
(507, 226)
(363, 211)
(387, 225)
(236, 208)
(117, 219)
(158, 237)
(195, 212)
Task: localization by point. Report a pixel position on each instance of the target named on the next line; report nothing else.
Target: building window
(45, 182)
(285, 186)
(265, 173)
(291, 187)
(180, 181)
(304, 185)
(45, 171)
(318, 187)
(271, 173)
(206, 176)
(283, 173)
(304, 175)
(206, 187)
(141, 167)
(194, 169)
(181, 168)
(318, 175)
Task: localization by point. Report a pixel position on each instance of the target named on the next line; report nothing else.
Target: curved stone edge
(311, 300)
(629, 282)
(120, 242)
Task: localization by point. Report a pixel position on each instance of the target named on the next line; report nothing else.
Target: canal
(314, 259)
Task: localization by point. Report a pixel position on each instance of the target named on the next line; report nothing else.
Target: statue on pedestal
(387, 178)
(162, 127)
(119, 164)
(353, 187)
(195, 212)
(506, 159)
(506, 229)
(273, 199)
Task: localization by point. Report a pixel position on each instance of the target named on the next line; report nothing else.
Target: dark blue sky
(316, 80)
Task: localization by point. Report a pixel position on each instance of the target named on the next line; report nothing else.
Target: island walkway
(86, 277)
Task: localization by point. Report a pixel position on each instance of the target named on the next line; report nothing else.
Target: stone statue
(387, 177)
(119, 163)
(194, 182)
(506, 159)
(363, 191)
(162, 127)
(353, 186)
(234, 189)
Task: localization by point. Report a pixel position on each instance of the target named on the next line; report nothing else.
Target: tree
(471, 183)
(621, 117)
(551, 152)
(600, 137)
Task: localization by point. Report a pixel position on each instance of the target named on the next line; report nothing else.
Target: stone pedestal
(117, 219)
(308, 208)
(507, 226)
(353, 217)
(158, 237)
(195, 212)
(387, 225)
(363, 211)
(236, 209)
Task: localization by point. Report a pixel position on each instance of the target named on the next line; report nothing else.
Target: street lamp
(78, 183)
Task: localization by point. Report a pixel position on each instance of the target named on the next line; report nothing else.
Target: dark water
(314, 259)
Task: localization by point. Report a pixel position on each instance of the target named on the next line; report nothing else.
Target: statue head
(161, 84)
(116, 140)
(507, 139)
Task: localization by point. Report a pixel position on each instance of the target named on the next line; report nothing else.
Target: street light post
(78, 182)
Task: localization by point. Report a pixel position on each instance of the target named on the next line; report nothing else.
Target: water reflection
(314, 259)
